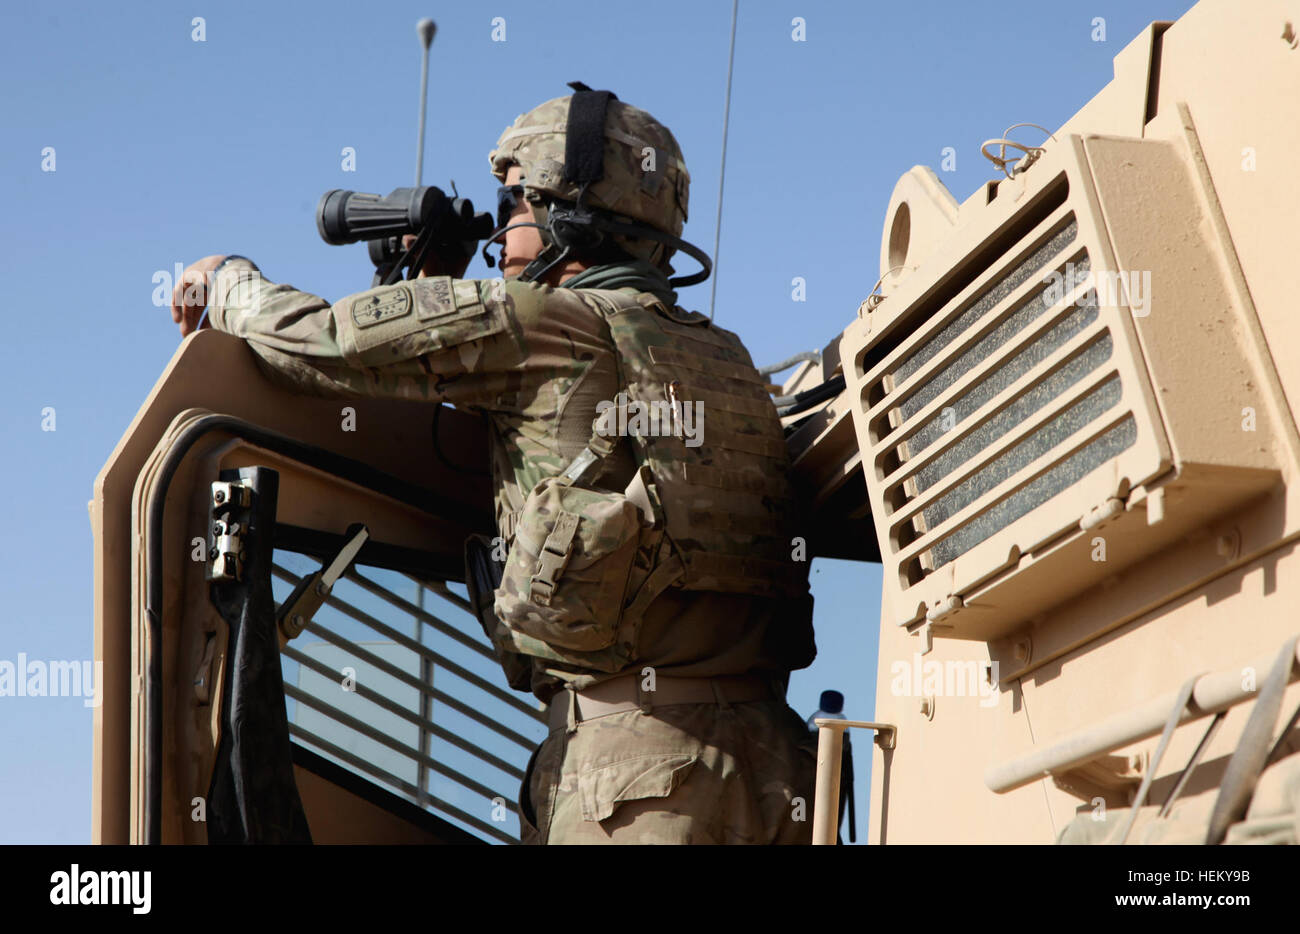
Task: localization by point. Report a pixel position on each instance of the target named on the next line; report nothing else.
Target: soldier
(649, 594)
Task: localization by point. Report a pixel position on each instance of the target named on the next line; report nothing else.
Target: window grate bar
(385, 666)
(422, 615)
(399, 783)
(442, 590)
(402, 639)
(385, 740)
(417, 719)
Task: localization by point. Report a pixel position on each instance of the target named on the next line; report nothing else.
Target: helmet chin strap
(536, 270)
(550, 256)
(540, 265)
(551, 253)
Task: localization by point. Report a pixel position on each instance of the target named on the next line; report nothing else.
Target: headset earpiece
(574, 227)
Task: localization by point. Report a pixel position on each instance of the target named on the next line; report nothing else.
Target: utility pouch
(567, 573)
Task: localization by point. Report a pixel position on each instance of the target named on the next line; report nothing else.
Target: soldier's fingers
(190, 296)
(196, 289)
(183, 293)
(192, 315)
(189, 299)
(182, 321)
(178, 291)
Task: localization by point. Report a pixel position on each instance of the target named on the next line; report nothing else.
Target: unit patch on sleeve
(376, 307)
(444, 297)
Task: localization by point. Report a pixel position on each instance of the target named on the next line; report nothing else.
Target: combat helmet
(596, 170)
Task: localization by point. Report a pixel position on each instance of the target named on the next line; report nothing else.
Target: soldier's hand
(190, 296)
(437, 264)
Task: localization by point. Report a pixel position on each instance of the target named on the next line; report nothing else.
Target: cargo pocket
(601, 790)
(567, 572)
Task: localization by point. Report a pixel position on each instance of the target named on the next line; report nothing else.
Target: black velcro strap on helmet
(584, 137)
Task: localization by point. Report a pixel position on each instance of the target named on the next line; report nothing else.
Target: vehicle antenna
(722, 171)
(425, 29)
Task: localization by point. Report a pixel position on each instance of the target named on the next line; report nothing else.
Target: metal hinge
(1102, 512)
(226, 547)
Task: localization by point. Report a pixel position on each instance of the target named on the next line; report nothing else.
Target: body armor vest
(709, 506)
(700, 417)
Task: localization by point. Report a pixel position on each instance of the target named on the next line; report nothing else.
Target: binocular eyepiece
(446, 225)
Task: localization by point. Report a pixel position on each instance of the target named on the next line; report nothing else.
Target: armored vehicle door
(288, 649)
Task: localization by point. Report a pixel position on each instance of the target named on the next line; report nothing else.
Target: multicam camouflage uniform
(537, 361)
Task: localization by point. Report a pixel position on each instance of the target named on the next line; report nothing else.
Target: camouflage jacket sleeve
(462, 341)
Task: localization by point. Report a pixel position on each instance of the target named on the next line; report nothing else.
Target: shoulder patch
(376, 307)
(435, 298)
(379, 327)
(440, 297)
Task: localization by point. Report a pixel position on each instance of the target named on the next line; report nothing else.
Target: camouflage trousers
(685, 773)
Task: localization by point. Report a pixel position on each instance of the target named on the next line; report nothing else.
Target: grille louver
(1000, 402)
(938, 463)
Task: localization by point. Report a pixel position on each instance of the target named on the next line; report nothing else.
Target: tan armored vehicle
(1069, 415)
(1066, 413)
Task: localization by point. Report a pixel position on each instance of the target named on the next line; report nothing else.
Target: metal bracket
(296, 612)
(927, 629)
(227, 525)
(1113, 778)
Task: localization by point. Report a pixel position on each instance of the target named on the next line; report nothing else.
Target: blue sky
(167, 149)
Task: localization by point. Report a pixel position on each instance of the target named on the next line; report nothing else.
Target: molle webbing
(722, 474)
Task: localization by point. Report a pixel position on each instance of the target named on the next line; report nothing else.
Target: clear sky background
(168, 149)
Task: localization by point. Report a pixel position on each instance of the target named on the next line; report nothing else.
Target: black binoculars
(448, 226)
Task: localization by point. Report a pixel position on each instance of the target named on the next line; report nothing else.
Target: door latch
(296, 612)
